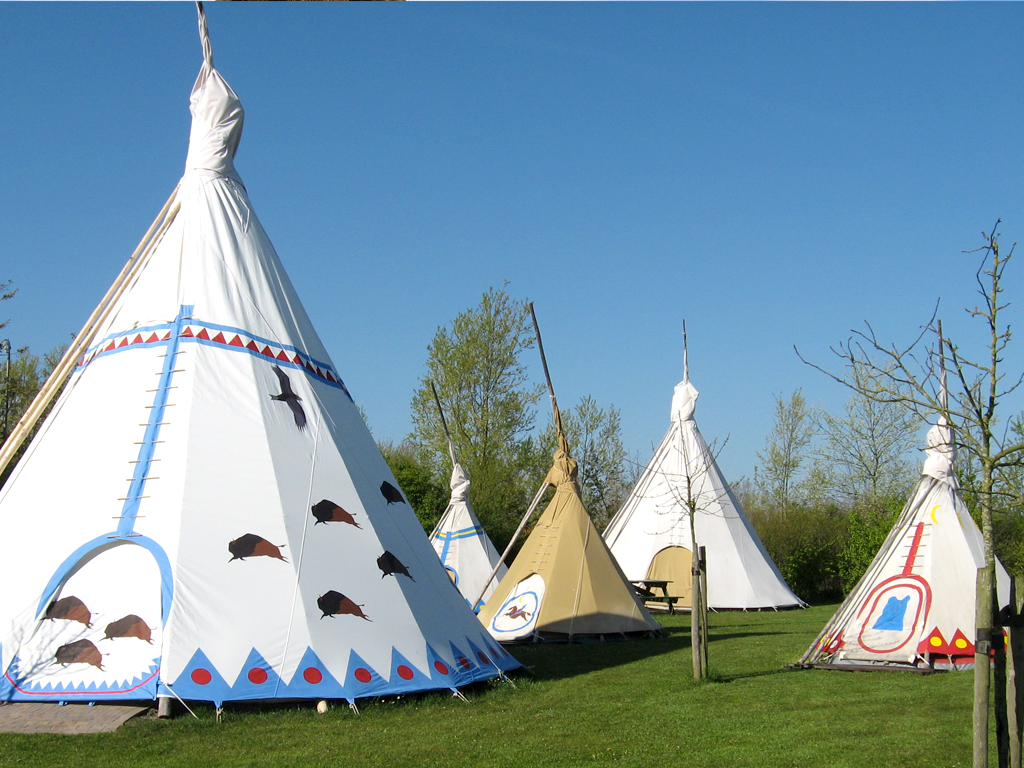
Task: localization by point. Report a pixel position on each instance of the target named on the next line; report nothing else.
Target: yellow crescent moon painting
(933, 513)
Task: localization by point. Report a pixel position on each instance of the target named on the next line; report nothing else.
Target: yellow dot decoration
(935, 641)
(960, 643)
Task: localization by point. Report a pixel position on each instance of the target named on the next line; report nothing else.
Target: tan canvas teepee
(565, 583)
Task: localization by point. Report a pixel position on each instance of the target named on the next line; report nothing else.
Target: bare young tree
(863, 453)
(910, 377)
(785, 449)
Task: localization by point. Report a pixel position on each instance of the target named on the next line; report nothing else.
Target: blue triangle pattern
(363, 680)
(200, 680)
(442, 673)
(405, 677)
(256, 680)
(312, 681)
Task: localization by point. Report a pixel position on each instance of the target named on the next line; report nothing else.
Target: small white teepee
(650, 535)
(204, 513)
(465, 549)
(915, 604)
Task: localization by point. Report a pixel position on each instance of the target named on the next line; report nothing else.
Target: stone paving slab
(18, 717)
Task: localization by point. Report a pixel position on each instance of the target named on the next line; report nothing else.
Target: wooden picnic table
(645, 590)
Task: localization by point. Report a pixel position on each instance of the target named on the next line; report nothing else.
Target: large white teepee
(204, 513)
(650, 535)
(914, 606)
(464, 547)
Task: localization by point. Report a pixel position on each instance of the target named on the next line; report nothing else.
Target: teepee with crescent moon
(914, 606)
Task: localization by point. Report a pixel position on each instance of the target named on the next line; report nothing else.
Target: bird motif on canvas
(289, 397)
(391, 494)
(391, 565)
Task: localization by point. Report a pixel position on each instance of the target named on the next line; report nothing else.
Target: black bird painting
(288, 396)
(390, 565)
(391, 494)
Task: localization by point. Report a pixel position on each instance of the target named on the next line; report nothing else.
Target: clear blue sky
(775, 174)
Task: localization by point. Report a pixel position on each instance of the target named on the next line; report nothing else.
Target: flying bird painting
(288, 396)
(334, 603)
(391, 494)
(80, 652)
(326, 511)
(252, 545)
(390, 565)
(130, 626)
(71, 609)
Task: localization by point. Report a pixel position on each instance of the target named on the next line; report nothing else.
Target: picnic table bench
(645, 591)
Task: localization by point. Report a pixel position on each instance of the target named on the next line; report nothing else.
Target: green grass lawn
(621, 703)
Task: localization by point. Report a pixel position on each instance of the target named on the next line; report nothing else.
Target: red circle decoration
(464, 662)
(441, 667)
(404, 672)
(201, 676)
(312, 675)
(483, 657)
(257, 675)
(363, 675)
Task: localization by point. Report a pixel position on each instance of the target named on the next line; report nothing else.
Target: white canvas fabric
(465, 549)
(655, 518)
(186, 525)
(915, 603)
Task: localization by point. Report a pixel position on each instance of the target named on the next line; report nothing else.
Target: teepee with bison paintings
(220, 524)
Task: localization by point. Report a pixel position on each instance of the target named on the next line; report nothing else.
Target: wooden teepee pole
(547, 376)
(85, 336)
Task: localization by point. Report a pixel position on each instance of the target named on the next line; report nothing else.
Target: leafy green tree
(595, 441)
(28, 374)
(785, 449)
(484, 388)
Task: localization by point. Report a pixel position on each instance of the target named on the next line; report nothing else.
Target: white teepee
(915, 603)
(464, 547)
(650, 535)
(204, 513)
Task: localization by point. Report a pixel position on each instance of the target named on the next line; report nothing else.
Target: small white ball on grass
(321, 707)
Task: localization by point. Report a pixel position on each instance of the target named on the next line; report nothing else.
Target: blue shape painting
(892, 614)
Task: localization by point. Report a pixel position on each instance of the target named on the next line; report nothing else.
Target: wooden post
(164, 706)
(695, 630)
(999, 685)
(1013, 664)
(703, 612)
(982, 665)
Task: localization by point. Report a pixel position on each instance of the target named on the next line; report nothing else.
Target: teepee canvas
(564, 584)
(651, 538)
(915, 604)
(204, 513)
(465, 549)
